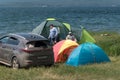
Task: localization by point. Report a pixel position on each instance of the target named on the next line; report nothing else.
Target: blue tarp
(87, 53)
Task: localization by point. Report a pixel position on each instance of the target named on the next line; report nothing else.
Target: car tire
(15, 63)
(49, 65)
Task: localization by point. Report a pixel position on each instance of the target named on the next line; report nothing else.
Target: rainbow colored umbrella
(62, 49)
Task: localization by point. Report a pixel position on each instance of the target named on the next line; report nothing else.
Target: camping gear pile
(69, 51)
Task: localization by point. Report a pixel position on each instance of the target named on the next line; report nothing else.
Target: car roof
(28, 36)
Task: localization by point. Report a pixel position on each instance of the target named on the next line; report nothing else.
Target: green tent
(43, 28)
(86, 37)
(67, 26)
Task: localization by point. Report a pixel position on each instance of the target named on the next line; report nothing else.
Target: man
(53, 34)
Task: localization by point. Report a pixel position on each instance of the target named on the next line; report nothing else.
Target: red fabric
(65, 54)
(62, 57)
(56, 49)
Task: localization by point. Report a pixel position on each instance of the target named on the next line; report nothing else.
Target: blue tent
(87, 53)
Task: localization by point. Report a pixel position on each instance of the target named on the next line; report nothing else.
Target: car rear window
(37, 44)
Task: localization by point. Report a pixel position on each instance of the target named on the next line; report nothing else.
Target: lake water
(14, 19)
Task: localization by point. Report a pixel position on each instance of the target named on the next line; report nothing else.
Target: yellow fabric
(67, 44)
(49, 19)
(68, 26)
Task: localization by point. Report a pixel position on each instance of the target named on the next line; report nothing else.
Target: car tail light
(27, 51)
(31, 50)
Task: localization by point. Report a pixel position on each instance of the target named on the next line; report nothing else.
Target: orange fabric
(62, 50)
(65, 54)
(67, 43)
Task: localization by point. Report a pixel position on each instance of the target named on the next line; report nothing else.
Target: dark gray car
(25, 50)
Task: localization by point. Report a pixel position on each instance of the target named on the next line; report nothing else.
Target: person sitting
(53, 35)
(70, 36)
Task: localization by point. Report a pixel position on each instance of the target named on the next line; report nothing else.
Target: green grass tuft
(109, 42)
(103, 71)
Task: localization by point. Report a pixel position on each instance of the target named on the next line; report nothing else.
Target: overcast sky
(67, 2)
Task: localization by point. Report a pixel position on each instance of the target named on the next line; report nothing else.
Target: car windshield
(37, 44)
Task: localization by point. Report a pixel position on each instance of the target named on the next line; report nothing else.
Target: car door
(11, 46)
(8, 47)
(3, 43)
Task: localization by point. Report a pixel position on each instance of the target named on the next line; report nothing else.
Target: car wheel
(15, 63)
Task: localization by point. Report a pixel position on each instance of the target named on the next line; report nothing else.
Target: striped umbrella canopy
(62, 49)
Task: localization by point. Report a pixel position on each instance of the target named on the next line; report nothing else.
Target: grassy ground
(109, 42)
(103, 71)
